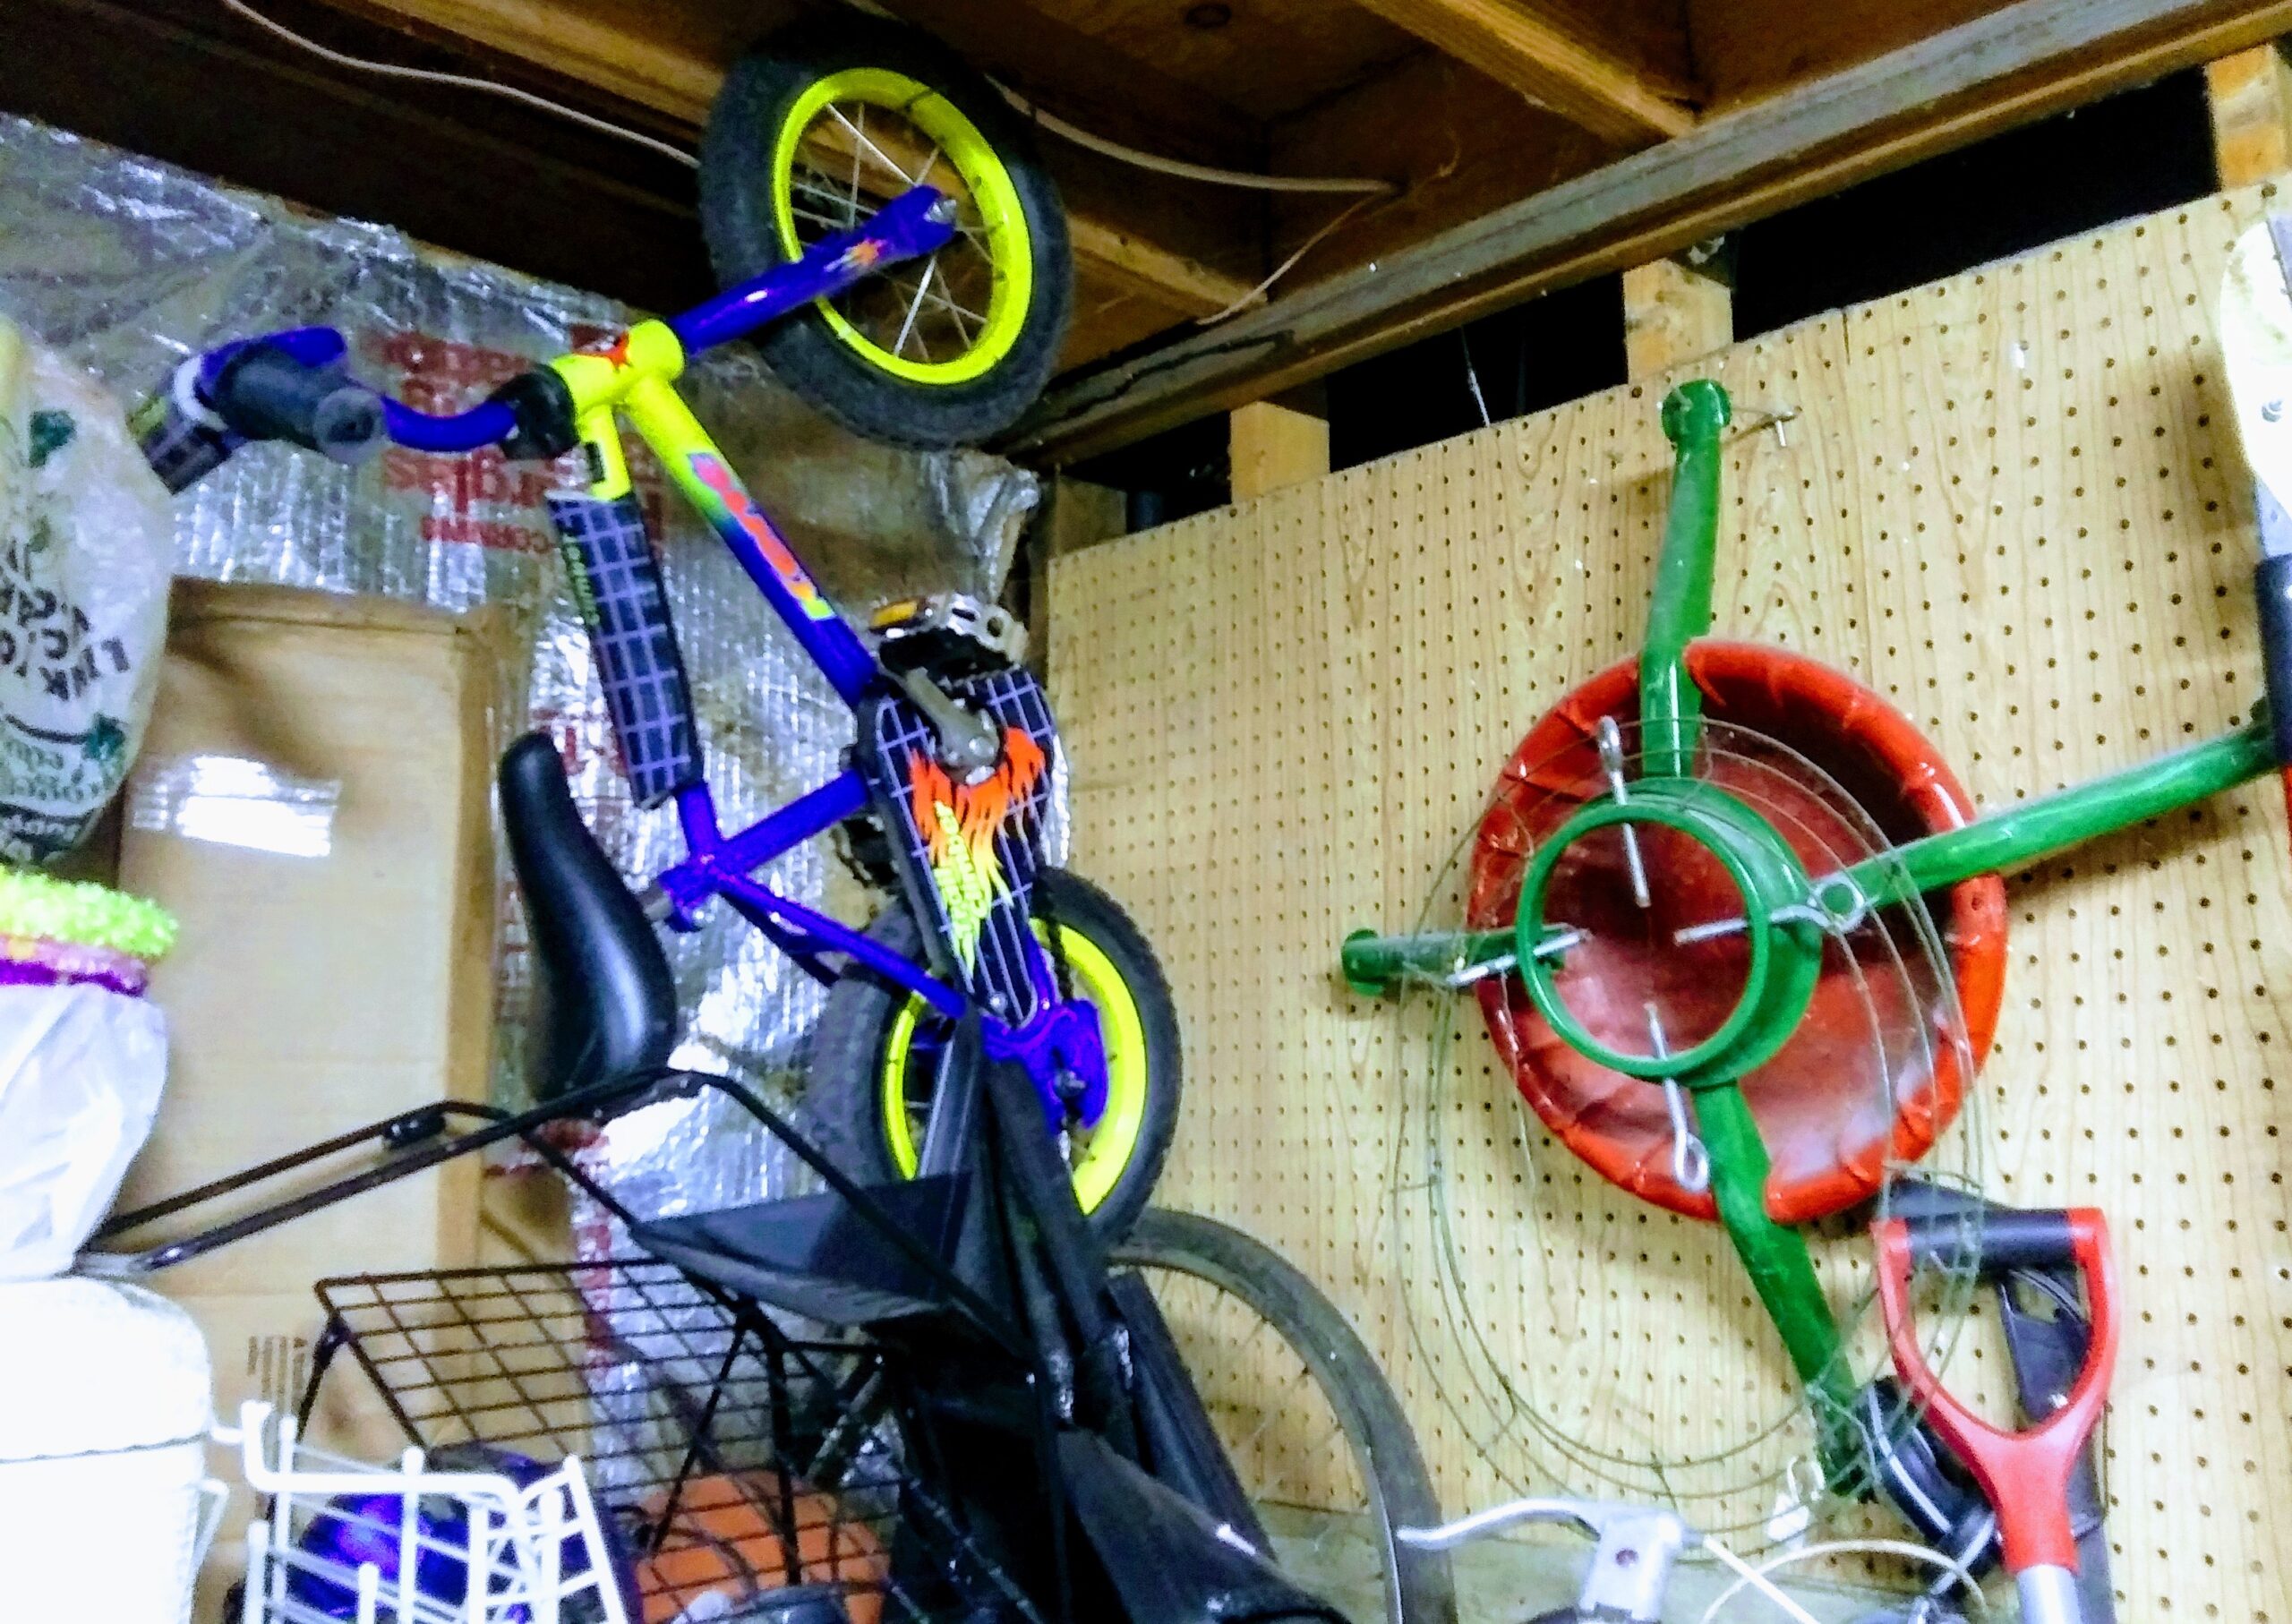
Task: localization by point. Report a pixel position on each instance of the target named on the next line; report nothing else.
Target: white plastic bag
(86, 546)
(81, 1069)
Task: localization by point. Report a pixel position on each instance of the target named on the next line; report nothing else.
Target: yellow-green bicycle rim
(1101, 1166)
(1002, 221)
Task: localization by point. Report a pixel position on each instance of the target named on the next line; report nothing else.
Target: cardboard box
(314, 803)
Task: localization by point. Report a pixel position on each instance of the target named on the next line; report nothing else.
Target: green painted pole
(1679, 609)
(2018, 836)
(1781, 1272)
(1373, 963)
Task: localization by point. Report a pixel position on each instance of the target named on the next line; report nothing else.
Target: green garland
(81, 912)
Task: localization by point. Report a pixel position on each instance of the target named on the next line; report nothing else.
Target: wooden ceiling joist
(627, 53)
(1551, 63)
(2010, 66)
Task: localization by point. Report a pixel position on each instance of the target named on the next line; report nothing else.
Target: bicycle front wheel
(1313, 1429)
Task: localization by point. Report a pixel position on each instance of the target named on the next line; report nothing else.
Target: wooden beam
(1081, 77)
(1272, 446)
(627, 50)
(1139, 266)
(1488, 148)
(2251, 93)
(631, 52)
(1673, 313)
(1550, 63)
(2018, 64)
(1170, 279)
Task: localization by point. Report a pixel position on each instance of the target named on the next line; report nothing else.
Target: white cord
(1257, 294)
(1752, 1576)
(1049, 121)
(1206, 173)
(1370, 189)
(391, 70)
(1757, 1576)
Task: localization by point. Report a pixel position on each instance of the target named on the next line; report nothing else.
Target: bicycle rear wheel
(1315, 1433)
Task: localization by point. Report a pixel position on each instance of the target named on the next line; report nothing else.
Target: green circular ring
(1529, 931)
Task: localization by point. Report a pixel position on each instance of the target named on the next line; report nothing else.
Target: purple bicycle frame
(1060, 1033)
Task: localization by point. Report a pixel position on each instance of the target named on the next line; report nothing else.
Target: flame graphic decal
(959, 824)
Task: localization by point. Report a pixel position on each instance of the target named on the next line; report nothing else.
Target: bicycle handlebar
(294, 386)
(487, 424)
(264, 391)
(297, 386)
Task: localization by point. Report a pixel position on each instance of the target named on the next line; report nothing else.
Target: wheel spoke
(1240, 1350)
(859, 156)
(923, 298)
(830, 201)
(864, 144)
(825, 223)
(922, 288)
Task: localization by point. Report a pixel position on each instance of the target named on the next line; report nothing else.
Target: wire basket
(345, 1541)
(749, 1468)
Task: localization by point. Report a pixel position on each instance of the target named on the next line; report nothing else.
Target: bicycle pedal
(948, 634)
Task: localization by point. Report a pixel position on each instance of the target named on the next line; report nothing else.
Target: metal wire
(737, 1454)
(1523, 1442)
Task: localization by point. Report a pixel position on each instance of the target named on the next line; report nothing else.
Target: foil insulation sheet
(130, 265)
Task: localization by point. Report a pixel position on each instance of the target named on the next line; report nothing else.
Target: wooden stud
(2015, 64)
(1169, 278)
(2251, 94)
(667, 65)
(1673, 313)
(1274, 446)
(1575, 76)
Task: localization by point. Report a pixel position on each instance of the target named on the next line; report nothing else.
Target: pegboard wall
(2012, 502)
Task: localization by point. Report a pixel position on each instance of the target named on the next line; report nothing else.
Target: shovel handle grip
(2025, 1474)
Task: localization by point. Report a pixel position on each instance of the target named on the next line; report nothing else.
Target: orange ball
(724, 1536)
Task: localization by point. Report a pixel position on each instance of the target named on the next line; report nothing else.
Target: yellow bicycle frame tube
(635, 377)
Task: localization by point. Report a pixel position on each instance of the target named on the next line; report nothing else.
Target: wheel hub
(1759, 938)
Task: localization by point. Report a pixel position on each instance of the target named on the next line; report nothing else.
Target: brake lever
(1636, 1548)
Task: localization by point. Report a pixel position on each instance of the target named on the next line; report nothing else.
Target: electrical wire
(1472, 376)
(1370, 189)
(1256, 295)
(1757, 1577)
(1208, 173)
(392, 70)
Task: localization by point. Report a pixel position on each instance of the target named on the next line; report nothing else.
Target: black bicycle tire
(1422, 1588)
(841, 1093)
(737, 219)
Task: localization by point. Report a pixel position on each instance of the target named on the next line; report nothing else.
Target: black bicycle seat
(603, 1004)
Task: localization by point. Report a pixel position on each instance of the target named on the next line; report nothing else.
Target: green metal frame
(1679, 607)
(1786, 952)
